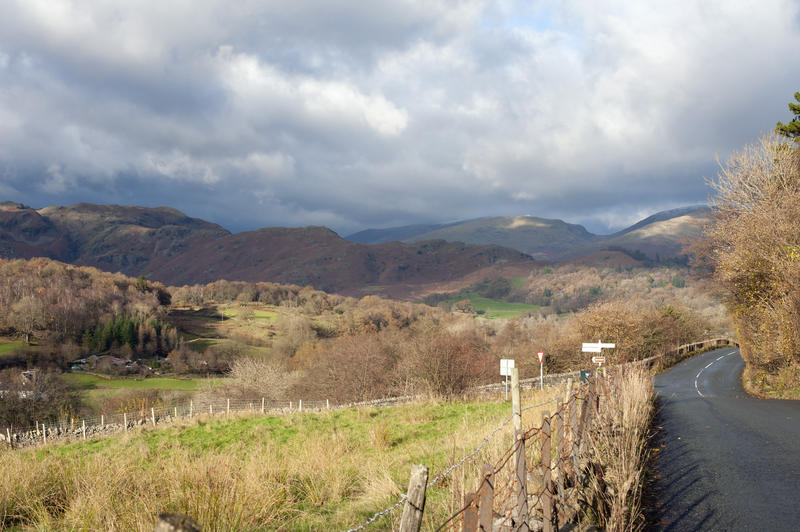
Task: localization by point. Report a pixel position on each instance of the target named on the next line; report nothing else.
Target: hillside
(319, 257)
(169, 246)
(538, 237)
(393, 234)
(115, 238)
(660, 236)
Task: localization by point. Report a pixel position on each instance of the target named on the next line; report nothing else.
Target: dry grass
(300, 472)
(615, 456)
(619, 448)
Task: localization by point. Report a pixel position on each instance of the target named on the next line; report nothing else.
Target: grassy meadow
(494, 308)
(7, 346)
(310, 471)
(96, 390)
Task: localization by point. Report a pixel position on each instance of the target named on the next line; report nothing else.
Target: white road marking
(705, 368)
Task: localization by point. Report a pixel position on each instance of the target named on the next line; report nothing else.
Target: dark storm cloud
(354, 114)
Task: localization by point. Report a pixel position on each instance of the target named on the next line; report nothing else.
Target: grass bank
(311, 471)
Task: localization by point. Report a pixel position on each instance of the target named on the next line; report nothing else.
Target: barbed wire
(444, 474)
(380, 514)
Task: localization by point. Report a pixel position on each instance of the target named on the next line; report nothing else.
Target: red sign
(599, 360)
(540, 354)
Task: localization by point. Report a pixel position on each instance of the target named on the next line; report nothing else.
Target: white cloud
(359, 113)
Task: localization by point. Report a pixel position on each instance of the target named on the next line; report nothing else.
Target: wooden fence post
(547, 488)
(125, 420)
(521, 514)
(486, 500)
(83, 428)
(44, 433)
(300, 405)
(561, 450)
(262, 405)
(568, 390)
(470, 514)
(102, 421)
(191, 409)
(211, 409)
(515, 402)
(228, 408)
(415, 499)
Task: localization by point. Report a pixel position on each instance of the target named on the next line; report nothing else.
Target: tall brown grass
(619, 450)
(320, 481)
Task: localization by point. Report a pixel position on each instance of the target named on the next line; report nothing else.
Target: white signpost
(540, 354)
(589, 347)
(505, 369)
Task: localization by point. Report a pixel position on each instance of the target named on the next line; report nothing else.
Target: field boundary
(103, 425)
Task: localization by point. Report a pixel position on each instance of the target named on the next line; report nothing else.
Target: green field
(9, 346)
(258, 314)
(93, 382)
(493, 308)
(311, 471)
(95, 390)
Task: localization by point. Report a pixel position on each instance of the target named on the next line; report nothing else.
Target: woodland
(279, 341)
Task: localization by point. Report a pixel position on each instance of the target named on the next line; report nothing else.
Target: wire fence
(83, 427)
(513, 496)
(536, 479)
(159, 413)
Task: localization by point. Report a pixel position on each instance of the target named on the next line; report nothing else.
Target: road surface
(726, 461)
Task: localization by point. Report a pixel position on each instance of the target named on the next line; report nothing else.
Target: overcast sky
(356, 114)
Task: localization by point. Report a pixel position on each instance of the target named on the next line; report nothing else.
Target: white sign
(590, 347)
(540, 354)
(505, 366)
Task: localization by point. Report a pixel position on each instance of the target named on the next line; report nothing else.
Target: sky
(357, 114)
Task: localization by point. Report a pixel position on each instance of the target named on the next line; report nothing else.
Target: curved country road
(727, 461)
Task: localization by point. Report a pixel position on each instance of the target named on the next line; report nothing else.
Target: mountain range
(166, 245)
(660, 236)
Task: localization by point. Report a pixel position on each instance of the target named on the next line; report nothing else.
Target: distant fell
(540, 238)
(393, 234)
(168, 246)
(660, 236)
(319, 257)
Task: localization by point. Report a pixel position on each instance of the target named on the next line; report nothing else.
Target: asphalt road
(726, 460)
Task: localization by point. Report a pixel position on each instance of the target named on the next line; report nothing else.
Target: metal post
(541, 374)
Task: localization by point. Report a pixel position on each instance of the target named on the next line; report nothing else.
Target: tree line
(752, 249)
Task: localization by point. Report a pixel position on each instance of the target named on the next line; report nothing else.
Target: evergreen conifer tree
(791, 129)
